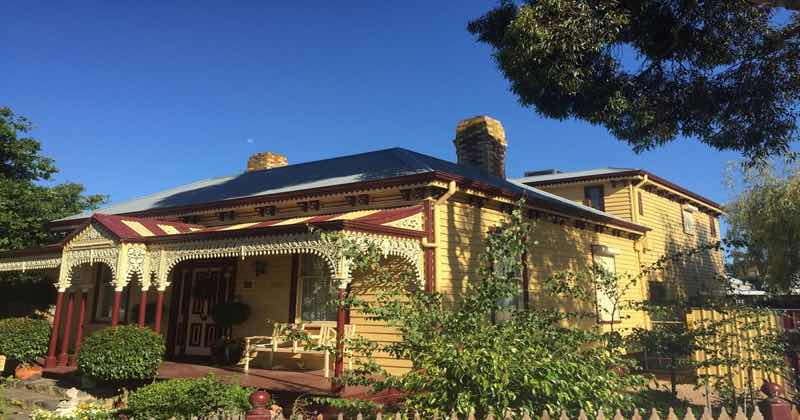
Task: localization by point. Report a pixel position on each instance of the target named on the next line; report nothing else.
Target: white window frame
(605, 306)
(687, 219)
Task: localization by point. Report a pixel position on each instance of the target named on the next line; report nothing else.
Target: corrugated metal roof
(370, 166)
(575, 174)
(137, 229)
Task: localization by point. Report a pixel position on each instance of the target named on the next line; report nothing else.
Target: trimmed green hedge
(123, 353)
(24, 339)
(186, 398)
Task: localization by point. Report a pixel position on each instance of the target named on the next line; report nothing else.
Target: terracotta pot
(24, 373)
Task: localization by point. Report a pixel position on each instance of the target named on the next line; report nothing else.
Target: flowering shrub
(84, 411)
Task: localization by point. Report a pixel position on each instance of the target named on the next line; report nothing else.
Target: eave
(423, 178)
(640, 174)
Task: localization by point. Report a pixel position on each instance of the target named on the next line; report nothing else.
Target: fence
(737, 335)
(774, 407)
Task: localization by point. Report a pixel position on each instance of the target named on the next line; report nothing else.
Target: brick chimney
(481, 143)
(266, 160)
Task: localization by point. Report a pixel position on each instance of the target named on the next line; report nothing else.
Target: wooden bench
(320, 339)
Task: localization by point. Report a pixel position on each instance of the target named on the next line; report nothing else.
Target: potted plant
(226, 315)
(23, 341)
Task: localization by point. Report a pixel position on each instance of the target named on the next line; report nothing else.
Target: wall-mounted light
(259, 268)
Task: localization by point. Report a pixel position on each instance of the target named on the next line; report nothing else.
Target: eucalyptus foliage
(724, 72)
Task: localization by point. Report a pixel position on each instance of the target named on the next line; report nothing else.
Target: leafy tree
(764, 229)
(25, 204)
(465, 357)
(724, 72)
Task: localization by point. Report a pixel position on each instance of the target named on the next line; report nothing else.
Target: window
(593, 197)
(607, 310)
(104, 302)
(658, 292)
(712, 225)
(688, 219)
(318, 293)
(641, 203)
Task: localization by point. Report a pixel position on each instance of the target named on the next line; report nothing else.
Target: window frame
(587, 201)
(640, 202)
(599, 252)
(689, 224)
(712, 225)
(301, 280)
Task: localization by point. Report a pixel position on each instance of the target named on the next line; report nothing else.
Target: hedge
(24, 339)
(187, 398)
(123, 353)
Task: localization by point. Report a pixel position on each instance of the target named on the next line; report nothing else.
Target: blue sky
(131, 99)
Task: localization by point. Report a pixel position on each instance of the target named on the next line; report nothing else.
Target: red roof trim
(123, 232)
(332, 225)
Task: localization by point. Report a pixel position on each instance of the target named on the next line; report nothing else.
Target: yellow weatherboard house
(165, 260)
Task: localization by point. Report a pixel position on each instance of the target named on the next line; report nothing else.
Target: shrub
(124, 353)
(24, 339)
(186, 398)
(84, 411)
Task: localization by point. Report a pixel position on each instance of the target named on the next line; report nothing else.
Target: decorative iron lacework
(164, 258)
(72, 258)
(159, 260)
(31, 263)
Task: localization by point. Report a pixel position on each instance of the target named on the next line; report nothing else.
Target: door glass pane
(318, 300)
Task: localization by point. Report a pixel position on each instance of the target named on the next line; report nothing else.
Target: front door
(202, 288)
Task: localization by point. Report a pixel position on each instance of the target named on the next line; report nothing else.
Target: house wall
(460, 228)
(617, 196)
(663, 216)
(460, 238)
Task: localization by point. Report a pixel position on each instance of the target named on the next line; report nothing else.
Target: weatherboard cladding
(605, 173)
(336, 172)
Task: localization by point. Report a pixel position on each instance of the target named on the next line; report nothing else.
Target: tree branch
(786, 4)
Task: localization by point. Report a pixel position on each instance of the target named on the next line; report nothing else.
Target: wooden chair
(320, 336)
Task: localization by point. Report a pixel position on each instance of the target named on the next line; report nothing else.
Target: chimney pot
(481, 143)
(266, 160)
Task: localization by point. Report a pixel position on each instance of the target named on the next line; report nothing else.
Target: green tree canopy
(764, 229)
(726, 72)
(25, 203)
